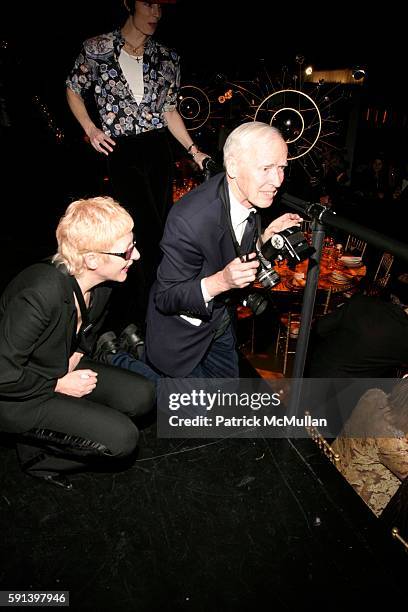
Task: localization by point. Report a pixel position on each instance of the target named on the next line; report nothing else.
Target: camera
(266, 275)
(210, 168)
(256, 302)
(268, 278)
(290, 244)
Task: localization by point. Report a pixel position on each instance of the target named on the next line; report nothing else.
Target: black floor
(217, 525)
(199, 525)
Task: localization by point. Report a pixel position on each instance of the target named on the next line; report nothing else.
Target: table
(292, 280)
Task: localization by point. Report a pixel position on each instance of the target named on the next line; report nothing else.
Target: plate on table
(294, 284)
(351, 261)
(339, 278)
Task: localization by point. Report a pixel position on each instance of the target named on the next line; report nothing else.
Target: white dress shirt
(239, 217)
(132, 68)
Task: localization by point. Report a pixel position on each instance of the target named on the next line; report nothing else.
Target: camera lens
(256, 302)
(268, 278)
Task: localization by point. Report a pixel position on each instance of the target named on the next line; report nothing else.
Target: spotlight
(358, 73)
(309, 70)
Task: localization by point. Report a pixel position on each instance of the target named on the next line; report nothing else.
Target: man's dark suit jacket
(196, 243)
(364, 338)
(37, 327)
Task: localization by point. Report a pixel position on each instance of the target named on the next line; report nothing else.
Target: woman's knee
(128, 392)
(124, 439)
(146, 397)
(139, 397)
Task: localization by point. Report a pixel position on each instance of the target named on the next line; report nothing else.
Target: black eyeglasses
(126, 255)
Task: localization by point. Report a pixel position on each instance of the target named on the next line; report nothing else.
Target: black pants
(141, 171)
(102, 417)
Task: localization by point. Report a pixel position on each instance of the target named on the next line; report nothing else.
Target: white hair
(244, 136)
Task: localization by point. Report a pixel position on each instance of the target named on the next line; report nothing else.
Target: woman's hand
(77, 383)
(199, 157)
(100, 141)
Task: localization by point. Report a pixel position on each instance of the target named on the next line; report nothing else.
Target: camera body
(290, 244)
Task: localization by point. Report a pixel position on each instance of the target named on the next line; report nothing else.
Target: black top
(364, 338)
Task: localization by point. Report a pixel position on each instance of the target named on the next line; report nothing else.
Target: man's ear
(232, 167)
(91, 260)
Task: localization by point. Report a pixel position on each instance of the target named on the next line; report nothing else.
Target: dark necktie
(248, 237)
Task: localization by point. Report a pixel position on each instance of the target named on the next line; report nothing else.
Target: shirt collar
(239, 213)
(119, 41)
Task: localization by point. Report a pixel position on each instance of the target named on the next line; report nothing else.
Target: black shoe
(58, 480)
(132, 341)
(106, 347)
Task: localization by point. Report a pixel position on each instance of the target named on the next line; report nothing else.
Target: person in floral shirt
(135, 82)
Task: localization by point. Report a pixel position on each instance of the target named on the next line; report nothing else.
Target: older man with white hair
(189, 329)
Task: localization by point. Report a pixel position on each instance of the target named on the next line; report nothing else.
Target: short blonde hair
(92, 224)
(244, 136)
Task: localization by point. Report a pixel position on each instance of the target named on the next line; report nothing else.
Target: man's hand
(77, 383)
(280, 224)
(100, 141)
(236, 275)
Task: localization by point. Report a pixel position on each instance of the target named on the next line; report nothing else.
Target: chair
(323, 304)
(354, 244)
(382, 275)
(288, 331)
(384, 266)
(244, 313)
(289, 325)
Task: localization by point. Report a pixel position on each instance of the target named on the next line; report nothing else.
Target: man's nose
(277, 177)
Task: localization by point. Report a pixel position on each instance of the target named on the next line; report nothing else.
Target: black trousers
(141, 172)
(103, 417)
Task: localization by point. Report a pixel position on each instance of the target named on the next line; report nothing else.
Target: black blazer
(38, 322)
(196, 244)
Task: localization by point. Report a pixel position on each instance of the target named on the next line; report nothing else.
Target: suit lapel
(226, 251)
(70, 310)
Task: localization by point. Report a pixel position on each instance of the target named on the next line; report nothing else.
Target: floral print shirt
(97, 67)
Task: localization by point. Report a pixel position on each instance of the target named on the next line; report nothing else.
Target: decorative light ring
(194, 106)
(310, 126)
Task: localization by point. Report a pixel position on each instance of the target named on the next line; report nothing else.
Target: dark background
(214, 36)
(223, 525)
(217, 41)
